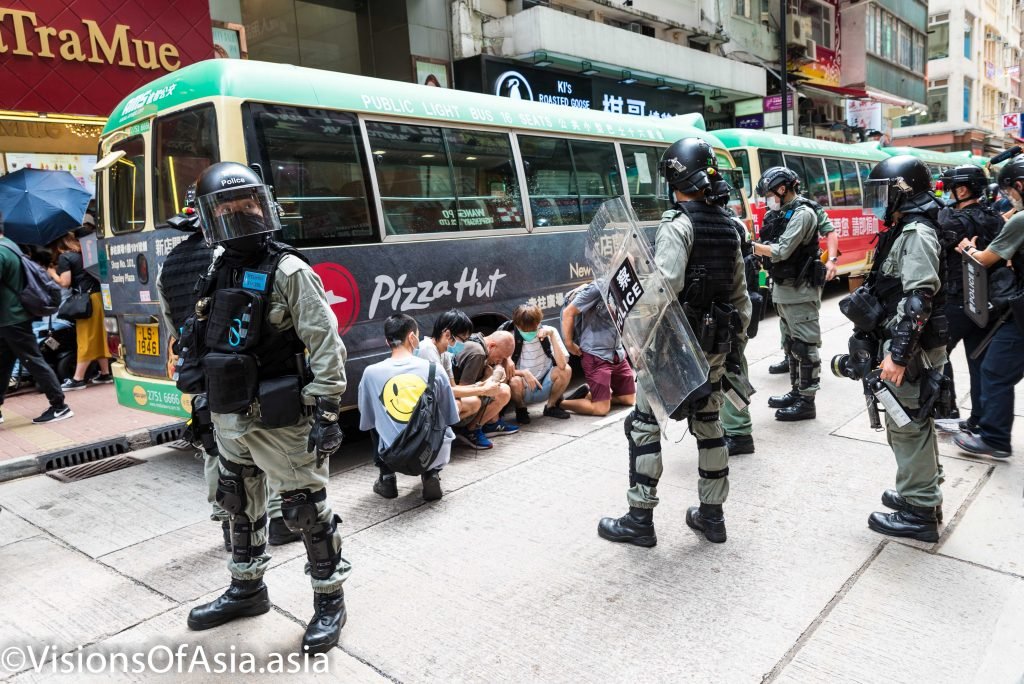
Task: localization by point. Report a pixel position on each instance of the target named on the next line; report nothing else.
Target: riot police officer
(176, 288)
(903, 308)
(789, 239)
(964, 218)
(260, 308)
(1003, 367)
(697, 251)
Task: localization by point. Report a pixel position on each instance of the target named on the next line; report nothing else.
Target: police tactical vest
(239, 311)
(788, 270)
(182, 271)
(711, 266)
(957, 225)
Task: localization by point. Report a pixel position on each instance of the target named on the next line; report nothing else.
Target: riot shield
(975, 291)
(655, 333)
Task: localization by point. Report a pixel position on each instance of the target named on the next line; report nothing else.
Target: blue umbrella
(39, 206)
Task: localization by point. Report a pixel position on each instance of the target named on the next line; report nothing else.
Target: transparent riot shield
(655, 333)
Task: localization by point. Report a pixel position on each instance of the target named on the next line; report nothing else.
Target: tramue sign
(97, 47)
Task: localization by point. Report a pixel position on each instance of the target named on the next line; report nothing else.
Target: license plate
(147, 340)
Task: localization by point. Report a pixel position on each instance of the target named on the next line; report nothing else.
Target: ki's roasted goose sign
(83, 56)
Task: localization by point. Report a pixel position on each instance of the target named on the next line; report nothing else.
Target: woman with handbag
(85, 308)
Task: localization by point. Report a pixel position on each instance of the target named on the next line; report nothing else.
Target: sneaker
(386, 486)
(580, 392)
(499, 428)
(102, 379)
(431, 486)
(970, 425)
(974, 444)
(70, 385)
(523, 415)
(54, 413)
(556, 412)
(475, 439)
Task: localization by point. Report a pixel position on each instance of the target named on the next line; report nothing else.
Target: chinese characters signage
(520, 82)
(624, 291)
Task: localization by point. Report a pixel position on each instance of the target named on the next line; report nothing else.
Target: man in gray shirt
(609, 377)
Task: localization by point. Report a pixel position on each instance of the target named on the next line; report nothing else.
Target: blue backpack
(40, 295)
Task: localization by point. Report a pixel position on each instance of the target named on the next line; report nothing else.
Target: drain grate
(85, 454)
(87, 470)
(165, 434)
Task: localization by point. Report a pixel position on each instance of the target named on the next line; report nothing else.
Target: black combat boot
(244, 598)
(279, 533)
(226, 528)
(894, 500)
(801, 409)
(636, 527)
(912, 521)
(784, 400)
(739, 444)
(780, 367)
(329, 616)
(709, 519)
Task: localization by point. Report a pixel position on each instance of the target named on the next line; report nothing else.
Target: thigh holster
(635, 478)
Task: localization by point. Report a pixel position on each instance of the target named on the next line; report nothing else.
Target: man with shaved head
(486, 362)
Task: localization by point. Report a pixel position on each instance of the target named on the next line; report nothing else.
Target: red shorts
(608, 379)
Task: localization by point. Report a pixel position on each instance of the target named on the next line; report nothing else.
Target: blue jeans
(1002, 369)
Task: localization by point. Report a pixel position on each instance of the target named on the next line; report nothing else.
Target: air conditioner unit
(798, 31)
(766, 17)
(635, 27)
(811, 49)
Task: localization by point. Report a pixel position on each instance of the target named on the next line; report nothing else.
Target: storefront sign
(82, 57)
(520, 82)
(773, 103)
(747, 107)
(78, 165)
(864, 114)
(755, 121)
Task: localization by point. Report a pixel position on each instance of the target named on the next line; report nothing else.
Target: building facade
(974, 57)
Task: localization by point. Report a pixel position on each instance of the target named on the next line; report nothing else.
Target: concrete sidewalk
(505, 579)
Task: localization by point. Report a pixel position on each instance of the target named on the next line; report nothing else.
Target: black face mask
(245, 247)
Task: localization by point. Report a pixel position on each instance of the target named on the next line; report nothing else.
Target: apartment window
(968, 86)
(872, 33)
(822, 21)
(904, 46)
(888, 36)
(938, 41)
(741, 8)
(968, 35)
(918, 53)
(937, 104)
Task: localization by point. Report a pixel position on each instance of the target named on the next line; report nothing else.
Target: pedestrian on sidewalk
(17, 341)
(389, 392)
(1003, 366)
(262, 389)
(541, 364)
(608, 377)
(697, 251)
(69, 272)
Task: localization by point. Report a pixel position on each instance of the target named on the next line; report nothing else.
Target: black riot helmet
(234, 203)
(1012, 173)
(971, 177)
(777, 176)
(689, 165)
(901, 183)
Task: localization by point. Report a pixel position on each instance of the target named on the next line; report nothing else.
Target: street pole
(782, 64)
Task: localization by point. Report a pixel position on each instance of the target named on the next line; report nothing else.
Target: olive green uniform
(737, 421)
(278, 457)
(914, 258)
(799, 305)
(672, 247)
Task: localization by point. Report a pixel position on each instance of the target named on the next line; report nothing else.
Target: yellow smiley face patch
(401, 394)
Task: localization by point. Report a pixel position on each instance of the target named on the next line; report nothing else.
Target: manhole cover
(87, 470)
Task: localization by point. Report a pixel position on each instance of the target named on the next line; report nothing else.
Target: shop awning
(889, 99)
(855, 93)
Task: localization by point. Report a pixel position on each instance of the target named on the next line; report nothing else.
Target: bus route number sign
(624, 291)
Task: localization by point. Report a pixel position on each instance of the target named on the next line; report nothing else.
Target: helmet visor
(237, 212)
(876, 195)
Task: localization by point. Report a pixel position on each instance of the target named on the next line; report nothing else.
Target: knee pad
(637, 416)
(298, 509)
(802, 350)
(231, 493)
(242, 532)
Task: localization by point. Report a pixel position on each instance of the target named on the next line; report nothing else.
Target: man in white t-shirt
(388, 394)
(541, 362)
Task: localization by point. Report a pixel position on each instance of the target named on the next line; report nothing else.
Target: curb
(78, 454)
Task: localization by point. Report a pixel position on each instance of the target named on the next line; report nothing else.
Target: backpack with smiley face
(421, 440)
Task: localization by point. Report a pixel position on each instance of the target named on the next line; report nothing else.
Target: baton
(983, 345)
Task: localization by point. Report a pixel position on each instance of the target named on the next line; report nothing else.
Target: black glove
(325, 434)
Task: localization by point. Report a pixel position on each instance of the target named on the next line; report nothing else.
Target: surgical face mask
(879, 213)
(774, 203)
(528, 336)
(456, 347)
(1015, 200)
